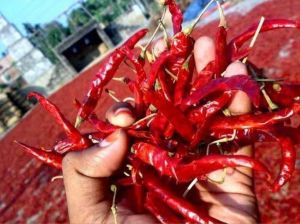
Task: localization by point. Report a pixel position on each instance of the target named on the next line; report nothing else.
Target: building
(25, 60)
(8, 71)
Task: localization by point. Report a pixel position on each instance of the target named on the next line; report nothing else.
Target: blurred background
(56, 47)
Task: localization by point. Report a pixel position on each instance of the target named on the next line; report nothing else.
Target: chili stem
(126, 174)
(57, 178)
(223, 22)
(222, 140)
(165, 33)
(261, 22)
(113, 207)
(191, 28)
(191, 185)
(78, 121)
(145, 118)
(269, 80)
(130, 66)
(111, 94)
(154, 33)
(272, 105)
(174, 77)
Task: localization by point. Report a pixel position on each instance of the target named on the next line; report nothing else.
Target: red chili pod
(269, 24)
(283, 94)
(104, 75)
(181, 47)
(198, 115)
(237, 82)
(50, 158)
(176, 13)
(205, 76)
(221, 61)
(101, 126)
(288, 153)
(165, 85)
(156, 68)
(288, 162)
(254, 121)
(156, 157)
(160, 210)
(207, 164)
(75, 141)
(184, 79)
(176, 203)
(181, 124)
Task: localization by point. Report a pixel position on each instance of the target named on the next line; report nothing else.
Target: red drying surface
(26, 190)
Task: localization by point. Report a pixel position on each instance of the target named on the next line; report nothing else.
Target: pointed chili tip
(24, 147)
(78, 121)
(77, 103)
(34, 94)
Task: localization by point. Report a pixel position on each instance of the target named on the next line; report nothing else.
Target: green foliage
(45, 38)
(105, 11)
(51, 34)
(77, 18)
(54, 33)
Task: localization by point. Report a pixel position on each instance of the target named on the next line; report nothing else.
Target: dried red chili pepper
(104, 75)
(207, 164)
(238, 82)
(75, 141)
(160, 211)
(139, 104)
(288, 162)
(203, 112)
(51, 158)
(139, 134)
(269, 24)
(157, 127)
(185, 172)
(176, 13)
(156, 157)
(181, 124)
(165, 85)
(254, 121)
(221, 60)
(156, 68)
(270, 134)
(178, 204)
(283, 94)
(181, 47)
(101, 126)
(184, 78)
(203, 77)
(141, 74)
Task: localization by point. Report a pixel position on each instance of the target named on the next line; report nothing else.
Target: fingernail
(109, 140)
(123, 110)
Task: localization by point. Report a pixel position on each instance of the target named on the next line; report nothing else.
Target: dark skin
(86, 173)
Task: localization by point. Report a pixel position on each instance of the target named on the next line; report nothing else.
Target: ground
(26, 190)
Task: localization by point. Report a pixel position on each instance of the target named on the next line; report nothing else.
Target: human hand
(86, 173)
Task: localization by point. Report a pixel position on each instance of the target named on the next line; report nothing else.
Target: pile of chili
(184, 116)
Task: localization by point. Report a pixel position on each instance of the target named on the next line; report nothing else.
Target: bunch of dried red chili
(186, 111)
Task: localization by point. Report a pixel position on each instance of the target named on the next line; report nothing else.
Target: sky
(32, 11)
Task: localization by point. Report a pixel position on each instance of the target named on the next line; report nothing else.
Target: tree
(45, 38)
(105, 11)
(77, 18)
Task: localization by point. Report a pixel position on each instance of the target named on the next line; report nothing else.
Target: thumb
(86, 174)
